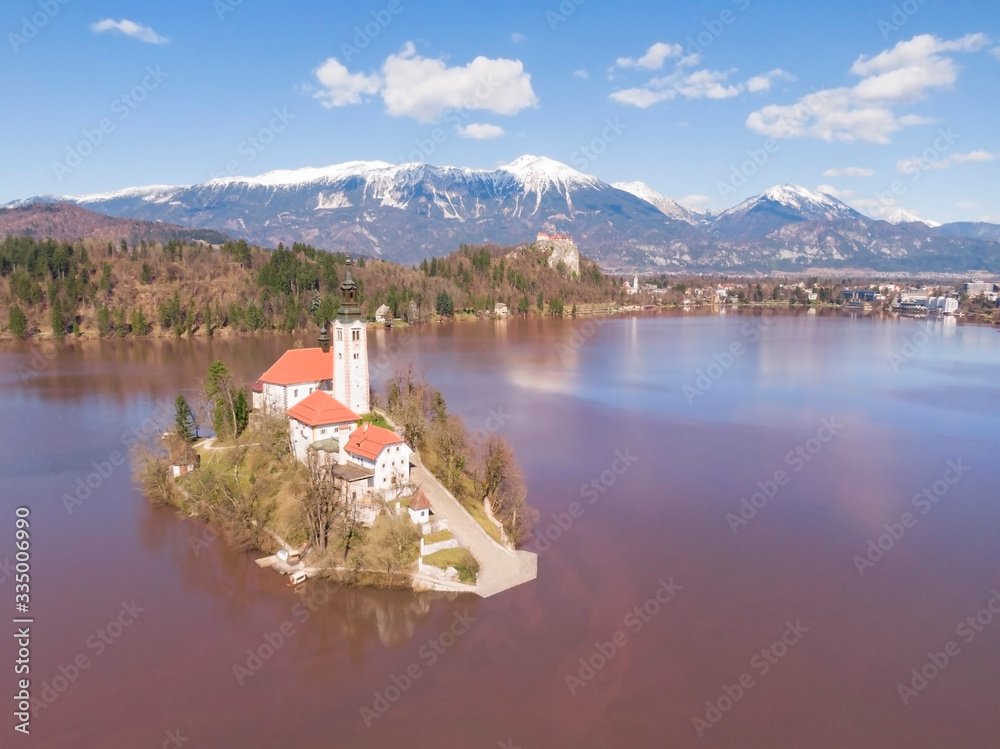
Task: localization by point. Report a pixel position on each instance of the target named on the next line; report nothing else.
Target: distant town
(974, 298)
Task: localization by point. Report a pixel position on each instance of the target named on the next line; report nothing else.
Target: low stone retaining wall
(450, 543)
(429, 570)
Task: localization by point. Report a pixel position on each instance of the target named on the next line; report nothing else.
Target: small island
(309, 470)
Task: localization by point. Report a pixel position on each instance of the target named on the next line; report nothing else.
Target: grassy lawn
(465, 494)
(433, 538)
(376, 419)
(479, 515)
(459, 558)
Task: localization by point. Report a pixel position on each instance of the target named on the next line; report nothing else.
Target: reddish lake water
(574, 399)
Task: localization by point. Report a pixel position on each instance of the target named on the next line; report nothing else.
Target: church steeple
(349, 309)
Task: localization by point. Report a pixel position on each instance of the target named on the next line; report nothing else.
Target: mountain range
(409, 212)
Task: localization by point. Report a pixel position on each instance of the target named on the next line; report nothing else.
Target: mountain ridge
(407, 212)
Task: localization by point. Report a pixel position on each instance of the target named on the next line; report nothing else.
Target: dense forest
(180, 288)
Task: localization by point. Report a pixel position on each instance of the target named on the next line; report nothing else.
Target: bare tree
(321, 501)
(500, 483)
(450, 441)
(241, 506)
(395, 541)
(152, 472)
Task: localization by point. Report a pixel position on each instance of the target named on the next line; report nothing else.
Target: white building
(420, 508)
(500, 310)
(383, 314)
(350, 365)
(946, 305)
(385, 452)
(323, 391)
(294, 376)
(319, 419)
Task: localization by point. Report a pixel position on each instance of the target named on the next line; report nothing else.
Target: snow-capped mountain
(762, 214)
(407, 212)
(667, 206)
(902, 216)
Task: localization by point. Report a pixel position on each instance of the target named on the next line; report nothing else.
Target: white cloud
(581, 74)
(917, 164)
(425, 88)
(849, 171)
(129, 28)
(763, 82)
(654, 58)
(839, 194)
(683, 82)
(695, 201)
(963, 158)
(881, 207)
(517, 37)
(641, 97)
(699, 84)
(341, 87)
(480, 131)
(865, 112)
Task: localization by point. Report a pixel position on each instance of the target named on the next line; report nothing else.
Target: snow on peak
(666, 206)
(290, 177)
(808, 203)
(640, 190)
(797, 197)
(903, 216)
(531, 170)
(149, 192)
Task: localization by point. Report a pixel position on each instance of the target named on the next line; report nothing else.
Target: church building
(324, 392)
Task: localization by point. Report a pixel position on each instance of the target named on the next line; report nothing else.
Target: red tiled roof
(257, 387)
(319, 408)
(369, 440)
(300, 365)
(420, 501)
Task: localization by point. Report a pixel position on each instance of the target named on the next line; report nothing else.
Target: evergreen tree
(184, 419)
(121, 327)
(218, 379)
(444, 304)
(220, 392)
(139, 325)
(58, 321)
(207, 314)
(103, 321)
(242, 411)
(17, 323)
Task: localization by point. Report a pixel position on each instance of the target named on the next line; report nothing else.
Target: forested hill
(193, 288)
(70, 222)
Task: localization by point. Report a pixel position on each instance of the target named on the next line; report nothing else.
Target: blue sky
(887, 105)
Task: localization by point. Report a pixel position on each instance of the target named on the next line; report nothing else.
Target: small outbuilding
(420, 508)
(188, 460)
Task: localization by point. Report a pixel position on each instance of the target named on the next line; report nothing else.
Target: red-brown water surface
(577, 400)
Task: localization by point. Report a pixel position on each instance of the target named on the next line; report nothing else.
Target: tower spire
(349, 309)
